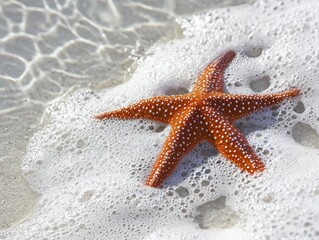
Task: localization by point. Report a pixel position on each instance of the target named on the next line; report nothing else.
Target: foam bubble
(91, 174)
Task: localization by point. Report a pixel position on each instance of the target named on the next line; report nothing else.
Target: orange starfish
(205, 114)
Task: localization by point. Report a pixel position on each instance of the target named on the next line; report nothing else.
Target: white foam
(91, 174)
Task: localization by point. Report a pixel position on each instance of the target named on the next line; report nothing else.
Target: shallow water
(50, 49)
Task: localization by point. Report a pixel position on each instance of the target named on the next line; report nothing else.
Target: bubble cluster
(90, 174)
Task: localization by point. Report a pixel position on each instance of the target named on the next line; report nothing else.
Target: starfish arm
(237, 106)
(231, 143)
(185, 134)
(211, 79)
(160, 108)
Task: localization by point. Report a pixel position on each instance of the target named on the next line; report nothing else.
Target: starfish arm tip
(99, 116)
(151, 184)
(295, 92)
(258, 168)
(231, 53)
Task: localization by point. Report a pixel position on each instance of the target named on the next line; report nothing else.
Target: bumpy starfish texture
(205, 114)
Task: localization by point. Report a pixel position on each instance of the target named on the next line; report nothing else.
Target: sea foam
(90, 174)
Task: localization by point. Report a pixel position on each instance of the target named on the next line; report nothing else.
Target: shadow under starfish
(204, 114)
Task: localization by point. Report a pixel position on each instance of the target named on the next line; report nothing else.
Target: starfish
(204, 114)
